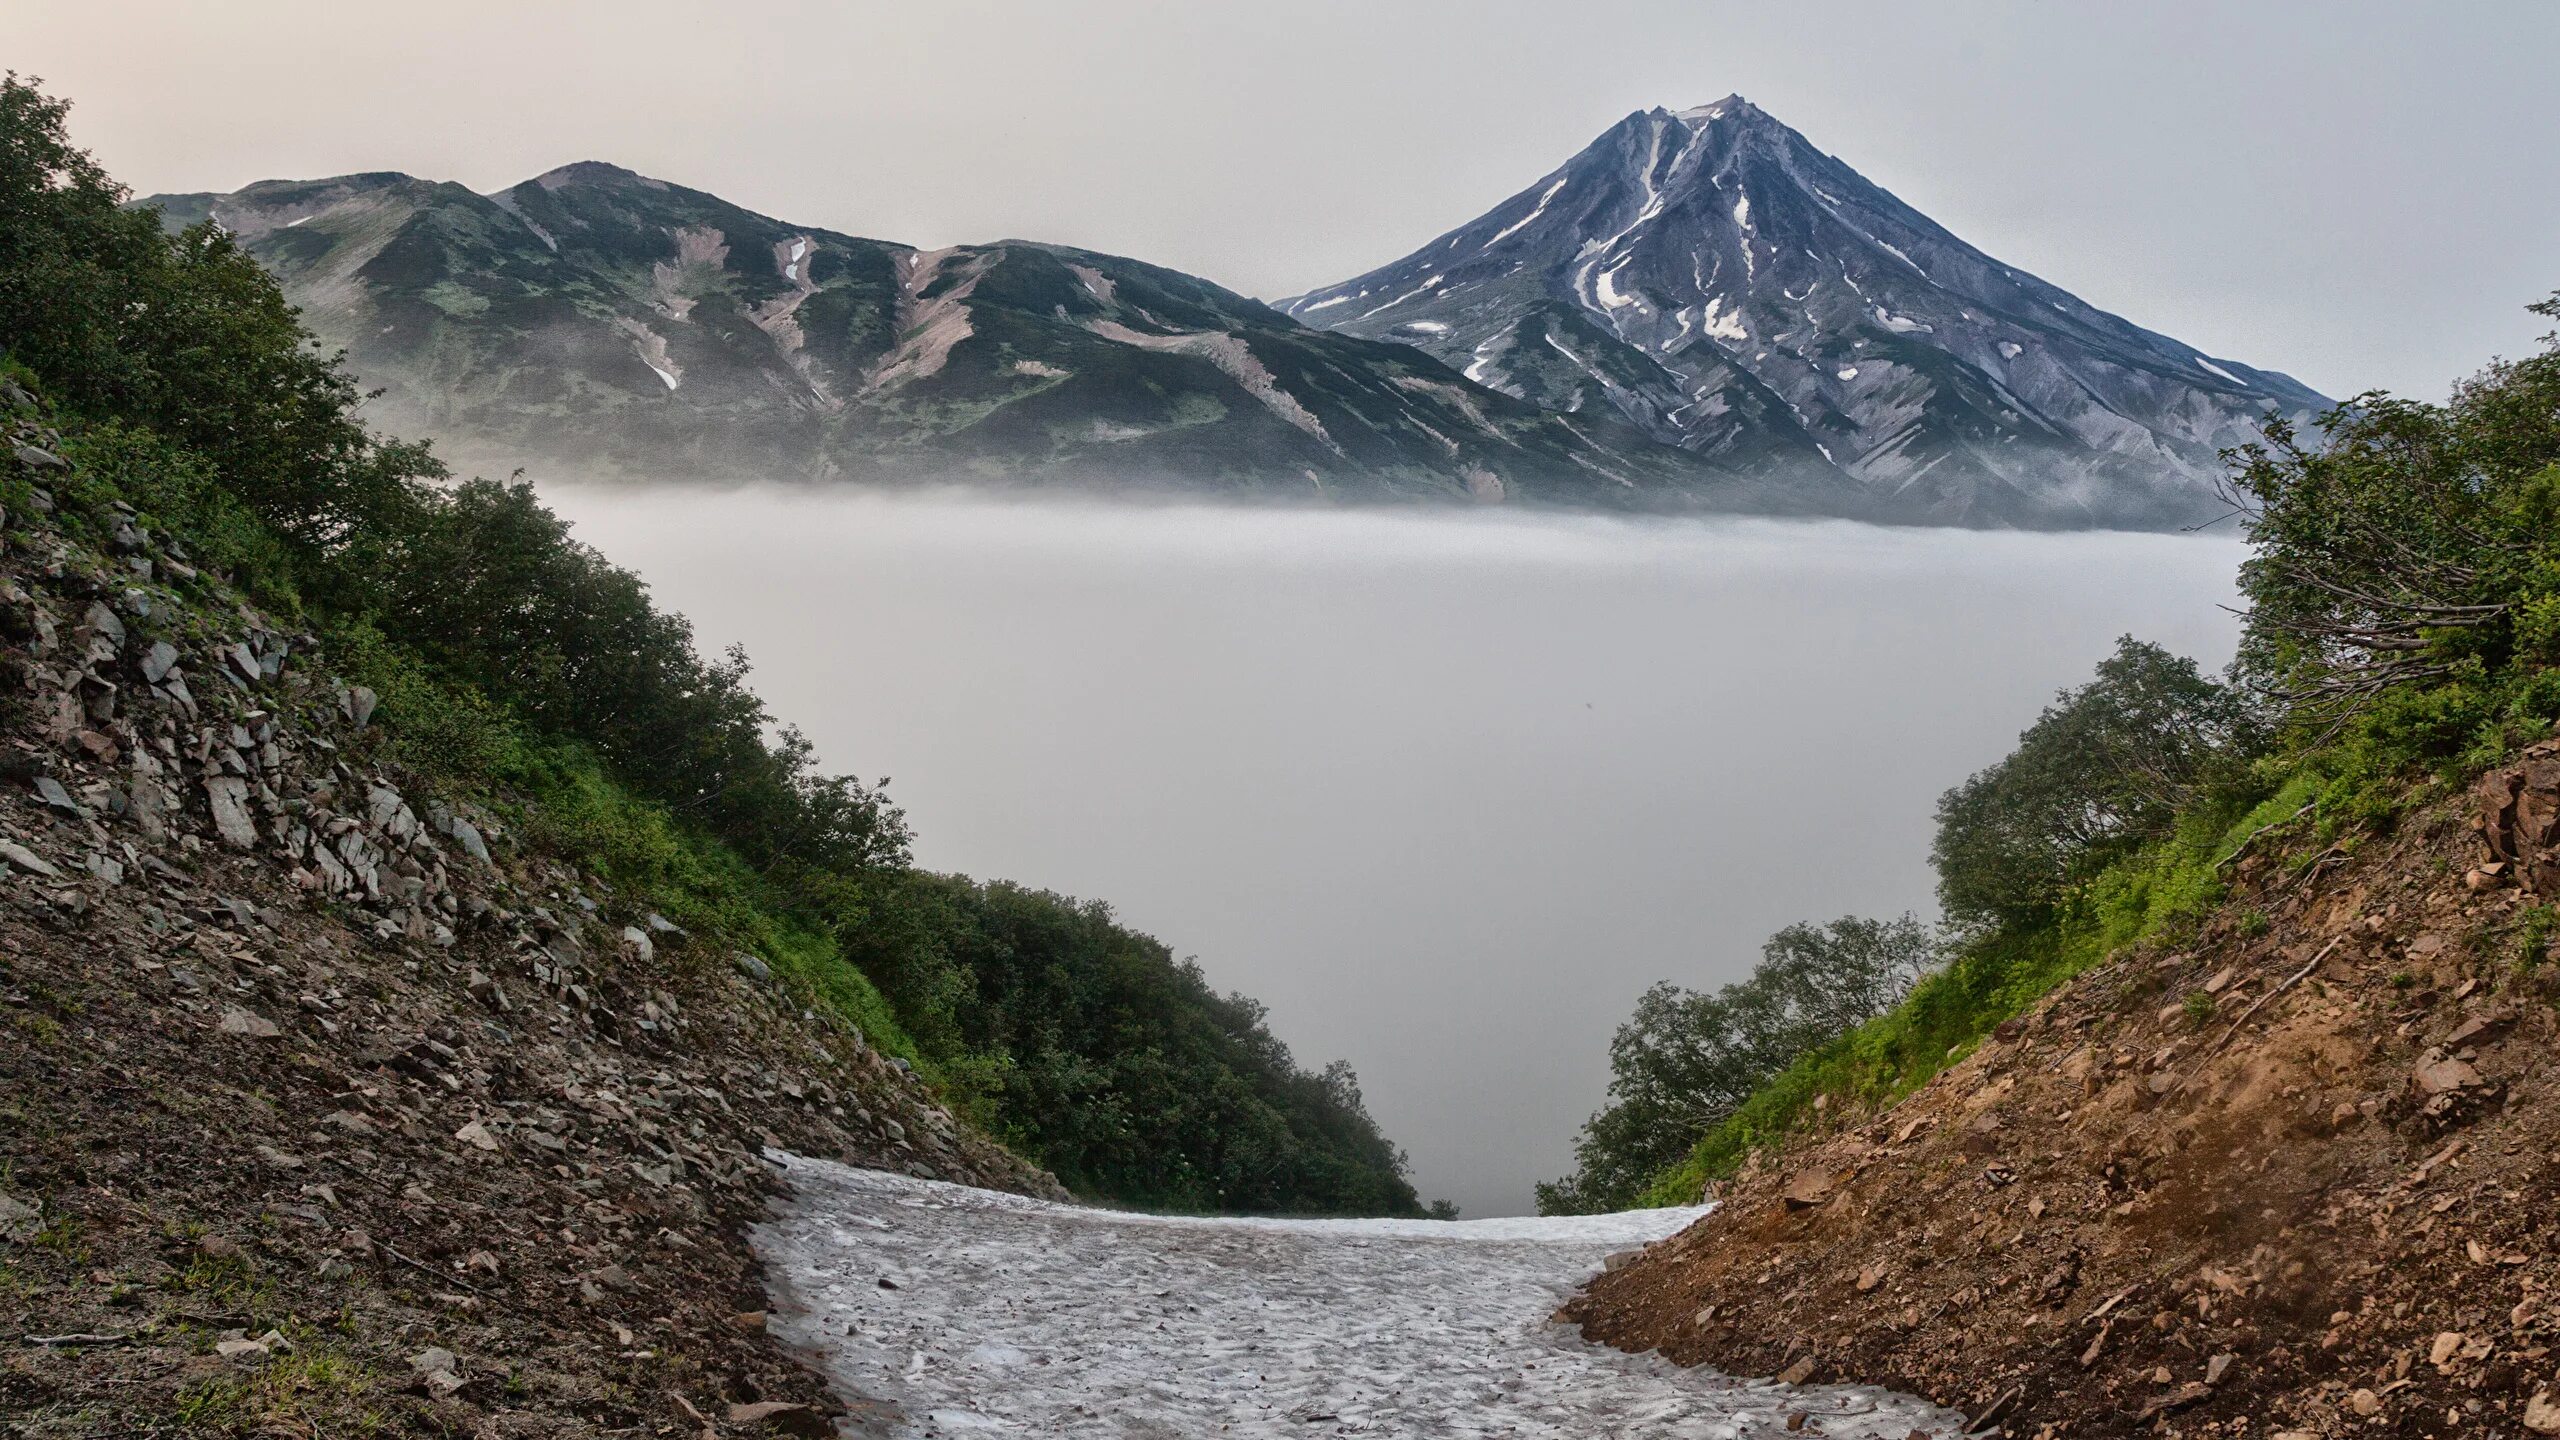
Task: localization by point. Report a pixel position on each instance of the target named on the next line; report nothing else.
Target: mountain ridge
(1717, 280)
(638, 326)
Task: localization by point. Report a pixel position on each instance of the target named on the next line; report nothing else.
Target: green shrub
(1688, 1059)
(2106, 768)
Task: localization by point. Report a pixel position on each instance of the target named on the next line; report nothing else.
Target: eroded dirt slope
(326, 1108)
(2301, 1174)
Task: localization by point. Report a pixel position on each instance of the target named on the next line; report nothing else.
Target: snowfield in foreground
(939, 1310)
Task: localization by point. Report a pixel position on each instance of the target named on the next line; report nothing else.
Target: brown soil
(2329, 1205)
(314, 1122)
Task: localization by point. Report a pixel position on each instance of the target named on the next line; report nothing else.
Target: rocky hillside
(329, 1104)
(2291, 1175)
(627, 326)
(1711, 276)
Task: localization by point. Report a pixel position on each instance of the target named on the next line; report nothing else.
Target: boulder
(26, 859)
(248, 1024)
(1811, 1187)
(228, 795)
(2519, 818)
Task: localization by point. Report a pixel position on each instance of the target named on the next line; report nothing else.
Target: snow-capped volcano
(1715, 278)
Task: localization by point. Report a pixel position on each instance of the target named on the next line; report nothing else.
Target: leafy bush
(2418, 545)
(1116, 1065)
(2106, 768)
(1687, 1060)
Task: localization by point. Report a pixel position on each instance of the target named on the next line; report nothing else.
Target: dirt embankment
(2299, 1176)
(326, 1108)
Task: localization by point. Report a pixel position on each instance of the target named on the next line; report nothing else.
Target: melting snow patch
(289, 224)
(1425, 327)
(2218, 370)
(1721, 323)
(1742, 211)
(1516, 226)
(2008, 350)
(1606, 287)
(1022, 1317)
(1849, 374)
(1325, 304)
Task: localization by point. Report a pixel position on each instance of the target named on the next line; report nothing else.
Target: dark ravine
(1712, 277)
(621, 325)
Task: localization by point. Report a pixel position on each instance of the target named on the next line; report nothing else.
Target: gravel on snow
(1017, 1316)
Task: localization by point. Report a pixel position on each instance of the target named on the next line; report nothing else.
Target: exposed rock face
(2331, 1199)
(2520, 820)
(1714, 278)
(300, 1064)
(624, 326)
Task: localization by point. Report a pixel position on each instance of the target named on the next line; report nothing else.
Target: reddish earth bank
(2298, 1174)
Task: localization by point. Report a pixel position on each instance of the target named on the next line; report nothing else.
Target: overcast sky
(2360, 194)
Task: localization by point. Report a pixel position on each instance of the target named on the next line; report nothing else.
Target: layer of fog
(1445, 790)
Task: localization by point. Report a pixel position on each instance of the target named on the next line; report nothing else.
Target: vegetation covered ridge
(516, 665)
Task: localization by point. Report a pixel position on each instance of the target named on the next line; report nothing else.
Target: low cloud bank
(1445, 789)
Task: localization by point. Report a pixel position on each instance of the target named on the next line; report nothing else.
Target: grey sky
(2361, 194)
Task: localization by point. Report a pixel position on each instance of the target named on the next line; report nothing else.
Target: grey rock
(358, 704)
(159, 661)
(661, 925)
(753, 967)
(105, 622)
(37, 458)
(635, 943)
(50, 791)
(27, 860)
(390, 814)
(248, 1024)
(467, 835)
(229, 797)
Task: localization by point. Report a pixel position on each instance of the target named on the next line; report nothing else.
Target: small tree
(1686, 1059)
(2104, 768)
(2417, 545)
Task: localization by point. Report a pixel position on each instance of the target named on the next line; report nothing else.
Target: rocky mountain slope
(1714, 278)
(2290, 1175)
(328, 1103)
(624, 325)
